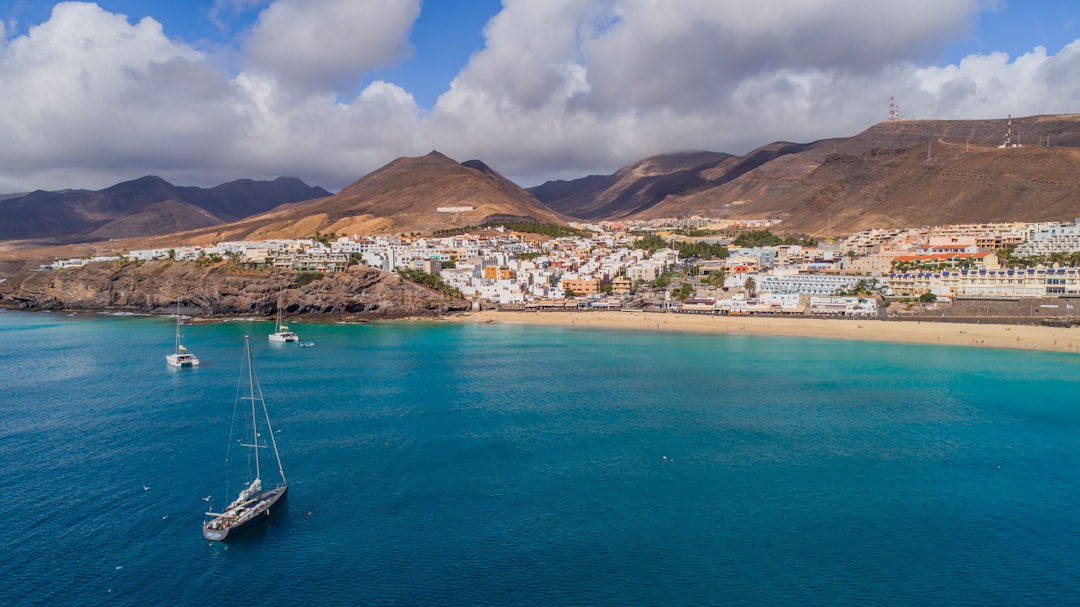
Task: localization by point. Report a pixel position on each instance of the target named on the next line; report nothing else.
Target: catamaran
(282, 334)
(180, 357)
(253, 505)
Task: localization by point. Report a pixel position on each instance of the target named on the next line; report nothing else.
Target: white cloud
(88, 99)
(319, 139)
(623, 79)
(992, 85)
(329, 44)
(87, 91)
(649, 51)
(562, 88)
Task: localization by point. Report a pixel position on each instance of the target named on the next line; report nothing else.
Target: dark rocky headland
(223, 290)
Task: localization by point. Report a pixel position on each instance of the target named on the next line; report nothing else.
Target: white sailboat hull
(284, 336)
(181, 357)
(182, 360)
(281, 332)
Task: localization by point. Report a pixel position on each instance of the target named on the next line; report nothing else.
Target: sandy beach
(954, 334)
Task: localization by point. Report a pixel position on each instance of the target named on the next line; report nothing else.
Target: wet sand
(955, 334)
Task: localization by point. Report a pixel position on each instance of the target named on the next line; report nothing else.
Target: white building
(805, 284)
(843, 306)
(1051, 238)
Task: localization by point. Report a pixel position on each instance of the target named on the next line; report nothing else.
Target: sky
(201, 92)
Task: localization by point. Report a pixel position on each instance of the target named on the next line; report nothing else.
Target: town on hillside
(697, 265)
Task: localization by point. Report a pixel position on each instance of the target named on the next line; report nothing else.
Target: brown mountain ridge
(894, 174)
(407, 194)
(141, 207)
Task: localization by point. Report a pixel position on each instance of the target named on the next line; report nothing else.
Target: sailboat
(181, 357)
(282, 334)
(253, 505)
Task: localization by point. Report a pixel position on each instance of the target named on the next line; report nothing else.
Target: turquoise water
(514, 465)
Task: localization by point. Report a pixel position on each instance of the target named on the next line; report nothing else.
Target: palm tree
(717, 278)
(682, 293)
(750, 285)
(1006, 258)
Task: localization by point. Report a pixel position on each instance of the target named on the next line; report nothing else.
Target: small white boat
(181, 357)
(282, 334)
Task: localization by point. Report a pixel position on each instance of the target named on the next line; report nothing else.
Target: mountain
(404, 196)
(632, 189)
(244, 197)
(894, 174)
(903, 188)
(878, 178)
(142, 207)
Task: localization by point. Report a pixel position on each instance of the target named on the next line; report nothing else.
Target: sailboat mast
(177, 326)
(273, 441)
(254, 418)
(279, 311)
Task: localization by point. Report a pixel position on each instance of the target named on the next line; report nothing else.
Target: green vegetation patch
(703, 250)
(432, 280)
(546, 229)
(765, 238)
(208, 260)
(528, 227)
(452, 231)
(683, 292)
(306, 278)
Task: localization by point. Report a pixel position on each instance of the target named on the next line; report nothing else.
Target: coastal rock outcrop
(222, 289)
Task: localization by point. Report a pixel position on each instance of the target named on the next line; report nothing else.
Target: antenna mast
(894, 110)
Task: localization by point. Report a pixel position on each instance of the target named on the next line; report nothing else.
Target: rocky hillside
(887, 188)
(897, 188)
(881, 177)
(405, 196)
(222, 290)
(142, 207)
(402, 197)
(633, 188)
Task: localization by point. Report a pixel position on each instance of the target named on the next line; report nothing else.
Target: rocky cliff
(223, 290)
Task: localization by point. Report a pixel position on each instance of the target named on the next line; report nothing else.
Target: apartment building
(1029, 282)
(582, 286)
(805, 284)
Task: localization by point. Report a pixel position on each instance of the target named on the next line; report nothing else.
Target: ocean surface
(438, 464)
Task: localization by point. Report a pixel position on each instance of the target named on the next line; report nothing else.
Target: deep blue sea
(435, 464)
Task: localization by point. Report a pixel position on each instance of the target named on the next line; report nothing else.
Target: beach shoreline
(969, 334)
(1015, 337)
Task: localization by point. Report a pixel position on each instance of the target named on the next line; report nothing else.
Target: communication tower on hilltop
(1008, 135)
(894, 110)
